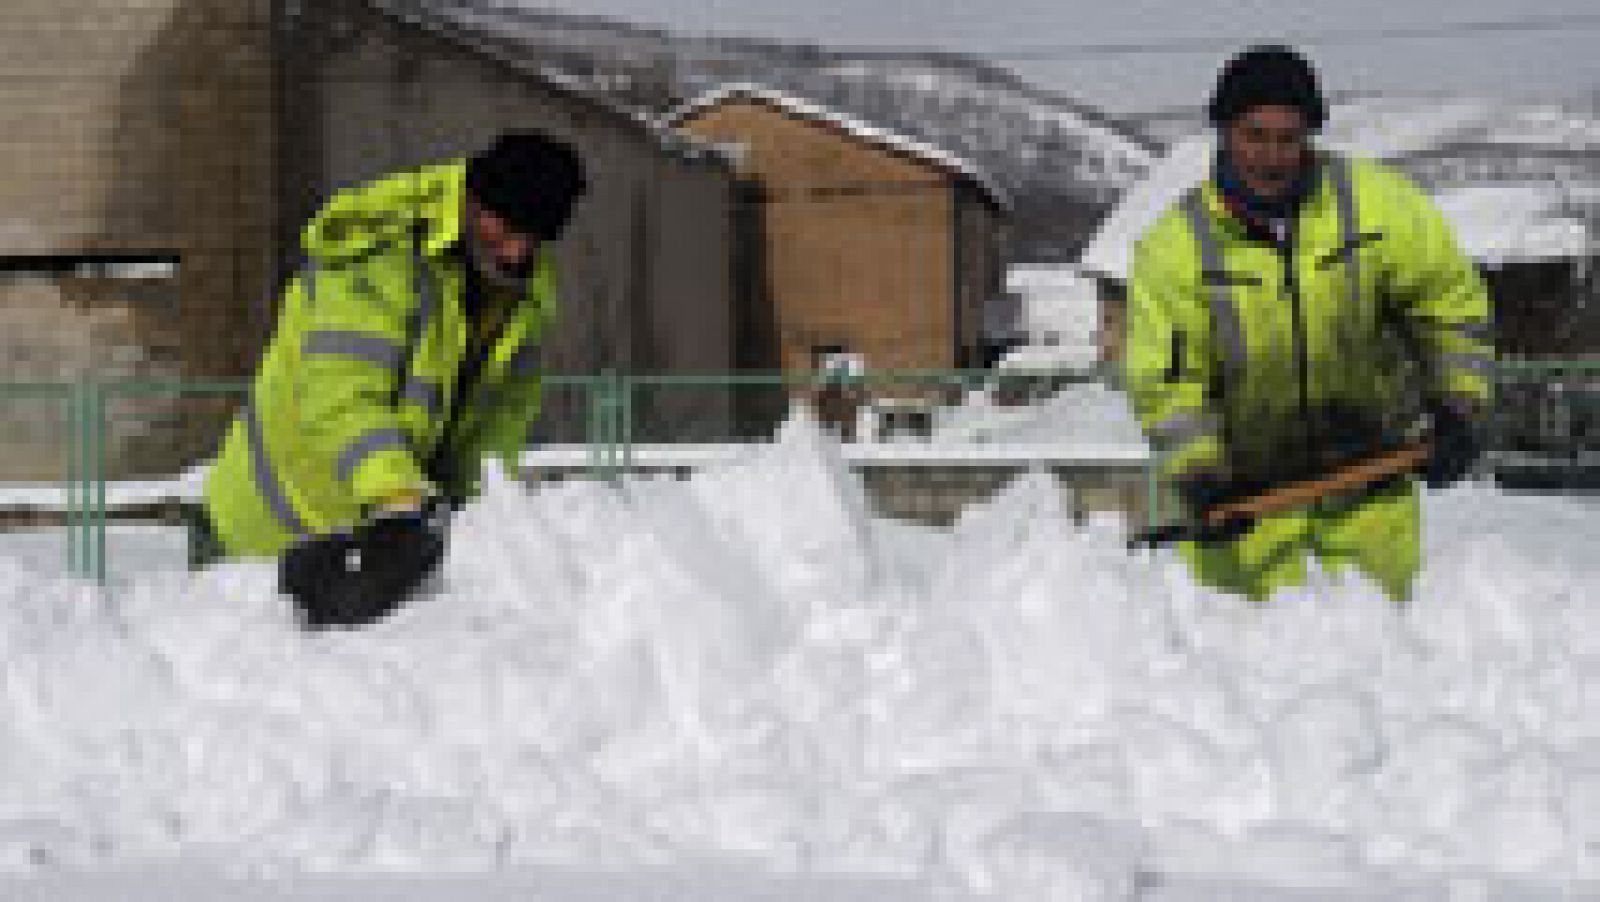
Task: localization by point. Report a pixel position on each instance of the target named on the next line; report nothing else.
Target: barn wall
(858, 240)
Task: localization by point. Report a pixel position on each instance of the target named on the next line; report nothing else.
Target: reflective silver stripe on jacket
(1184, 427)
(268, 485)
(1225, 320)
(364, 447)
(427, 394)
(308, 279)
(1476, 330)
(1349, 232)
(1471, 361)
(363, 346)
(413, 387)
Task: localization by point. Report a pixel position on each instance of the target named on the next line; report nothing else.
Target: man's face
(501, 253)
(1269, 145)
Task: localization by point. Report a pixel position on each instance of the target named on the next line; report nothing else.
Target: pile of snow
(746, 667)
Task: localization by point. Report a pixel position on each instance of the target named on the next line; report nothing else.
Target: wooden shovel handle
(1305, 492)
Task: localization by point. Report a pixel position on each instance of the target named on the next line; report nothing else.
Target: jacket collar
(1236, 219)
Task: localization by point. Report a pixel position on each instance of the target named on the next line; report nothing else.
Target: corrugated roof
(867, 132)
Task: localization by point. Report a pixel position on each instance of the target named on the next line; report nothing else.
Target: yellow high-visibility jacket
(1273, 365)
(353, 394)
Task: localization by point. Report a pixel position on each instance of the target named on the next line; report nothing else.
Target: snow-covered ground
(1087, 413)
(1059, 316)
(743, 686)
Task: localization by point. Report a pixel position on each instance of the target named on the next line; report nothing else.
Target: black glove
(357, 577)
(1202, 491)
(1456, 444)
(451, 476)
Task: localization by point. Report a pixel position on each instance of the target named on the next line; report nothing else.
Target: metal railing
(622, 412)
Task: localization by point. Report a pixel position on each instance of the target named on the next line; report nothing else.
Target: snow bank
(746, 668)
(1080, 413)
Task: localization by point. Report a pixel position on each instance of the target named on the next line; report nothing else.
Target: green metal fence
(43, 443)
(1548, 414)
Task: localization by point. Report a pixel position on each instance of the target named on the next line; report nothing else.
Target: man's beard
(492, 272)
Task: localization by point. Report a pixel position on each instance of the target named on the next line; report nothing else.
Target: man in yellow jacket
(1296, 311)
(405, 350)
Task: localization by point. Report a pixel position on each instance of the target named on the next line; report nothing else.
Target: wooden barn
(873, 244)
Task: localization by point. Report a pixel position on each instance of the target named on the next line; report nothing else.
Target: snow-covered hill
(1517, 179)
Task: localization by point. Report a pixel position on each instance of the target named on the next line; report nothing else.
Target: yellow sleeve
(1438, 292)
(1167, 354)
(350, 357)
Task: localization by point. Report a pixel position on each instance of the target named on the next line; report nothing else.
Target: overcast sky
(1549, 63)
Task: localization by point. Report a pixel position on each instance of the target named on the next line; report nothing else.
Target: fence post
(625, 391)
(97, 519)
(603, 424)
(73, 410)
(1152, 502)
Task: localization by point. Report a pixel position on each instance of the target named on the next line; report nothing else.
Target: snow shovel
(1212, 521)
(350, 579)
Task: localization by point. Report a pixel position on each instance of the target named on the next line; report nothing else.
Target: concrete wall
(937, 495)
(132, 127)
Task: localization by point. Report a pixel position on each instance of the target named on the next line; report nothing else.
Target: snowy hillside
(1459, 142)
(1391, 125)
(1517, 180)
(745, 673)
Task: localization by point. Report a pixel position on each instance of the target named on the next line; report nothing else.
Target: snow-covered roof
(1110, 252)
(866, 131)
(1494, 223)
(467, 26)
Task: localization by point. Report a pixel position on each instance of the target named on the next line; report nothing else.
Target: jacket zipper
(469, 373)
(1301, 363)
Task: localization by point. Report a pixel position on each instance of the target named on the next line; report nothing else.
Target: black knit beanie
(1267, 75)
(530, 180)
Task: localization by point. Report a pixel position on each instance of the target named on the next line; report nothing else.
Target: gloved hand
(1456, 442)
(1202, 490)
(357, 577)
(457, 481)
